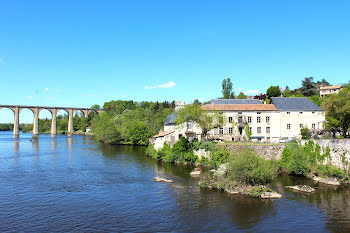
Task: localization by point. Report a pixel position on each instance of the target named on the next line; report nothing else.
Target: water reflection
(15, 146)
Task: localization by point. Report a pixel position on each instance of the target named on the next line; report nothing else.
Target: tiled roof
(331, 87)
(239, 107)
(170, 119)
(294, 103)
(235, 101)
(162, 134)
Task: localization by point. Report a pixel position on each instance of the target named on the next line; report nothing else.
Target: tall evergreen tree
(226, 91)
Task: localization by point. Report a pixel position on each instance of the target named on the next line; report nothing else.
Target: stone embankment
(267, 151)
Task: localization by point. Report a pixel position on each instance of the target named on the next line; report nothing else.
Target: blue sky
(79, 53)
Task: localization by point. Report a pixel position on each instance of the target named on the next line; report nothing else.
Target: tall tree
(287, 92)
(338, 111)
(241, 96)
(322, 83)
(308, 87)
(226, 91)
(273, 91)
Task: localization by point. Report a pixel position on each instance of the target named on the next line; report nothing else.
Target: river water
(70, 184)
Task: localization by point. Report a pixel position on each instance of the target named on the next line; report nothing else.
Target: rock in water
(158, 179)
(301, 188)
(331, 181)
(270, 195)
(196, 172)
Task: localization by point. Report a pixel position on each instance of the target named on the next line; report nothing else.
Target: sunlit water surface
(70, 184)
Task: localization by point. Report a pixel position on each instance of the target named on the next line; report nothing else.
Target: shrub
(330, 170)
(150, 151)
(257, 191)
(181, 146)
(305, 133)
(295, 160)
(219, 157)
(247, 167)
(189, 157)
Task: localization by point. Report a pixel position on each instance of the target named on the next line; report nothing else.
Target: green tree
(273, 91)
(96, 107)
(308, 87)
(226, 91)
(106, 129)
(337, 109)
(305, 133)
(206, 121)
(241, 96)
(322, 83)
(287, 92)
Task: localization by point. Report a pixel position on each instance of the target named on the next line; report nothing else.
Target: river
(74, 184)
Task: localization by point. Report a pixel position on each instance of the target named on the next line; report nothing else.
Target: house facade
(324, 91)
(283, 118)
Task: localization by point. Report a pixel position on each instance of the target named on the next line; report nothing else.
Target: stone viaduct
(36, 110)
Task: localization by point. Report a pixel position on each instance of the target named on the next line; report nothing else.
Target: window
(267, 129)
(301, 112)
(240, 120)
(313, 126)
(288, 112)
(249, 119)
(313, 112)
(221, 130)
(288, 126)
(258, 119)
(229, 119)
(230, 130)
(259, 130)
(258, 113)
(301, 125)
(267, 119)
(251, 129)
(239, 113)
(189, 126)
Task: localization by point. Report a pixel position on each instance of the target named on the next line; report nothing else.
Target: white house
(324, 91)
(283, 118)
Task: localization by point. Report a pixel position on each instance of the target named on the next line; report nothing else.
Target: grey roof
(235, 101)
(294, 103)
(170, 119)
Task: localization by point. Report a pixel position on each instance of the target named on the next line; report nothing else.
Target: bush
(247, 167)
(189, 157)
(150, 151)
(295, 160)
(219, 157)
(257, 191)
(182, 146)
(330, 170)
(305, 133)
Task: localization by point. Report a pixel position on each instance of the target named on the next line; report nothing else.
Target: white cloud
(29, 97)
(250, 92)
(90, 94)
(164, 85)
(46, 89)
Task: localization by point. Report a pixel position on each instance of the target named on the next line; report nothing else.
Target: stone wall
(265, 150)
(338, 148)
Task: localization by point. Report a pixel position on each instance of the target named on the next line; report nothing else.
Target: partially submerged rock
(301, 188)
(327, 180)
(196, 172)
(158, 179)
(270, 195)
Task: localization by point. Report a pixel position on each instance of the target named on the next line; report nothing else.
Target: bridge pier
(54, 121)
(70, 121)
(16, 122)
(36, 122)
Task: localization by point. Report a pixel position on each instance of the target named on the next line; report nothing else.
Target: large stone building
(283, 118)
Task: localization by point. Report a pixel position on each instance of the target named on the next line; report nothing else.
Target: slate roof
(239, 107)
(294, 104)
(170, 120)
(235, 101)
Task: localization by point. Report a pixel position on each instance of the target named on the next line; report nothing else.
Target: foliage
(247, 131)
(241, 96)
(134, 122)
(337, 109)
(295, 160)
(247, 167)
(182, 146)
(273, 91)
(330, 171)
(6, 126)
(316, 99)
(218, 157)
(226, 91)
(205, 120)
(308, 87)
(257, 191)
(305, 133)
(207, 146)
(106, 130)
(287, 92)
